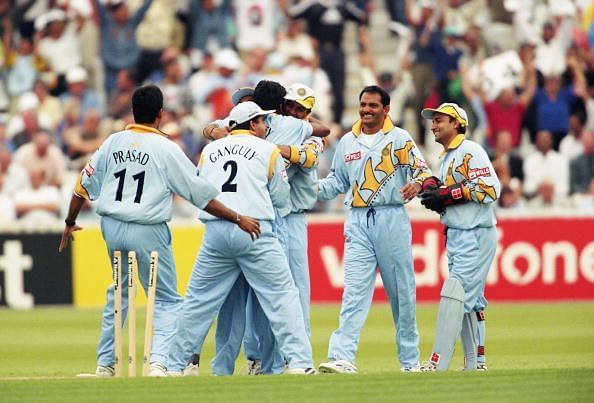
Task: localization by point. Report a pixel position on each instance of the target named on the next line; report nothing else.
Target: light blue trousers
(379, 236)
(226, 252)
(470, 254)
(143, 239)
(259, 342)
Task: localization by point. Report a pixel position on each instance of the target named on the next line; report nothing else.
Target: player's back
(130, 174)
(241, 166)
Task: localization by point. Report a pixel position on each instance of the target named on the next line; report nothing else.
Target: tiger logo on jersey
(374, 177)
(479, 189)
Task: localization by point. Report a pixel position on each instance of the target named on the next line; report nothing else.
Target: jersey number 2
(229, 186)
(139, 177)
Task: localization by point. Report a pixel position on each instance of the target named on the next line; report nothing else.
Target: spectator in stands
(23, 68)
(254, 67)
(446, 55)
(256, 24)
(427, 37)
(38, 205)
(212, 93)
(119, 48)
(49, 105)
(42, 155)
(78, 95)
(29, 120)
(546, 169)
(159, 30)
(552, 46)
(510, 199)
(172, 83)
(57, 43)
(553, 102)
(504, 153)
(582, 167)
(208, 21)
(82, 140)
(121, 98)
(584, 202)
(12, 176)
(571, 145)
(506, 112)
(295, 38)
(325, 21)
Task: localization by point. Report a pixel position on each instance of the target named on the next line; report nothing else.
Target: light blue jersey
(377, 233)
(244, 160)
(372, 175)
(134, 174)
(466, 162)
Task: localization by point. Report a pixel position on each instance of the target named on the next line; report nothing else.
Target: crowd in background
(523, 69)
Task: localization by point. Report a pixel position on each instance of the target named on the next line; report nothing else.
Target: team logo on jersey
(480, 189)
(375, 174)
(89, 170)
(475, 173)
(352, 156)
(283, 174)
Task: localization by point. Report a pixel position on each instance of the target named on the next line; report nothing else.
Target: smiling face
(372, 112)
(444, 128)
(295, 109)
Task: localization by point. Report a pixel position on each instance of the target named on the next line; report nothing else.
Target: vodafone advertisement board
(537, 259)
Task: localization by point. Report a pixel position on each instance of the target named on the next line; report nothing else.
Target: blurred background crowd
(523, 70)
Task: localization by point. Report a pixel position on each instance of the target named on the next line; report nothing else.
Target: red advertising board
(537, 259)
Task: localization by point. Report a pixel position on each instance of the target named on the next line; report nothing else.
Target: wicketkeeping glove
(438, 199)
(430, 183)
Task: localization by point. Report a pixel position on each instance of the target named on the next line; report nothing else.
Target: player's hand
(67, 236)
(249, 225)
(410, 191)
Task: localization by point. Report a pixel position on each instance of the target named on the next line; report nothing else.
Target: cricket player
(133, 176)
(302, 159)
(251, 175)
(468, 188)
(259, 343)
(380, 168)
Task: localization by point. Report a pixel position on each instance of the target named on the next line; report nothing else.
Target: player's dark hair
(374, 89)
(147, 101)
(269, 95)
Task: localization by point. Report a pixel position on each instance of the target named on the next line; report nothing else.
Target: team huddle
(254, 184)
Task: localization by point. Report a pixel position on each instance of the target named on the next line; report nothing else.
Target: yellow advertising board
(92, 271)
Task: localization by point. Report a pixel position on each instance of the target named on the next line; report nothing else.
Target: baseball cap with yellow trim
(301, 94)
(450, 109)
(244, 112)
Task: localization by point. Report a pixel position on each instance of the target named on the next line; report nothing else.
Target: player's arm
(87, 187)
(480, 185)
(215, 131)
(319, 129)
(420, 174)
(278, 184)
(305, 154)
(337, 181)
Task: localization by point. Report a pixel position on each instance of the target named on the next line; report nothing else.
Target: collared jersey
(373, 175)
(249, 172)
(466, 162)
(134, 174)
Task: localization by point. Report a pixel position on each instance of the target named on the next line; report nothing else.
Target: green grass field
(536, 352)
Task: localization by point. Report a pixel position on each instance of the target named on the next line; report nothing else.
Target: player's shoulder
(472, 147)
